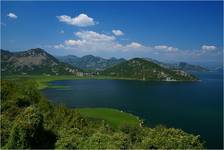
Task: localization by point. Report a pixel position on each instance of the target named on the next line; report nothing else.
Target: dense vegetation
(141, 69)
(29, 121)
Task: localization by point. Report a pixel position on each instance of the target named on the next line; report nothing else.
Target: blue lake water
(195, 107)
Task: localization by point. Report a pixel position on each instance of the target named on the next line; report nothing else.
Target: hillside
(179, 66)
(141, 69)
(189, 67)
(33, 61)
(90, 62)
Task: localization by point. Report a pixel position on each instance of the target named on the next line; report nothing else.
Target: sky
(167, 31)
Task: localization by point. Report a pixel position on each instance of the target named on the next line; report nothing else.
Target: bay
(195, 107)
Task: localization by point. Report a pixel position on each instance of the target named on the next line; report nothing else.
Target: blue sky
(167, 31)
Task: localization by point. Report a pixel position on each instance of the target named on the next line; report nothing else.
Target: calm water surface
(194, 107)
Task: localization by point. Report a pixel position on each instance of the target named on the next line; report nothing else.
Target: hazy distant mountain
(188, 67)
(90, 62)
(180, 66)
(141, 69)
(33, 61)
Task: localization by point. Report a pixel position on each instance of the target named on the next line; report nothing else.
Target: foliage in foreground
(29, 121)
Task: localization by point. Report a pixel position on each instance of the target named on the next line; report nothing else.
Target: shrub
(169, 138)
(25, 129)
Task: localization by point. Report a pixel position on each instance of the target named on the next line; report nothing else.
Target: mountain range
(38, 61)
(95, 63)
(33, 61)
(179, 66)
(90, 62)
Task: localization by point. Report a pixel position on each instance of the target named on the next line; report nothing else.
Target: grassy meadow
(114, 117)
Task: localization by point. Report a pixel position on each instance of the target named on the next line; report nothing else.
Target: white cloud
(90, 41)
(82, 20)
(166, 48)
(12, 15)
(73, 42)
(208, 47)
(94, 36)
(117, 32)
(134, 45)
(59, 46)
(160, 47)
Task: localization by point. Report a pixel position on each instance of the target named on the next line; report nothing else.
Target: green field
(114, 117)
(43, 80)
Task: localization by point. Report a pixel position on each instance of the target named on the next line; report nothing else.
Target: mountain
(33, 61)
(162, 64)
(70, 59)
(190, 68)
(90, 62)
(180, 66)
(141, 69)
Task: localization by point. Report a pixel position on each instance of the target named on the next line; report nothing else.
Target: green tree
(69, 139)
(25, 130)
(6, 89)
(134, 132)
(169, 138)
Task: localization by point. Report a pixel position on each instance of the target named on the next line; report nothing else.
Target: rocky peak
(36, 51)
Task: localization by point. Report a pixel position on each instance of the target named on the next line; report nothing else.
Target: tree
(6, 89)
(134, 132)
(169, 138)
(25, 130)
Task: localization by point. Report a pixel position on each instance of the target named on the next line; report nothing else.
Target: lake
(195, 107)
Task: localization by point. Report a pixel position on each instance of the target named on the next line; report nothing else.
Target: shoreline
(43, 81)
